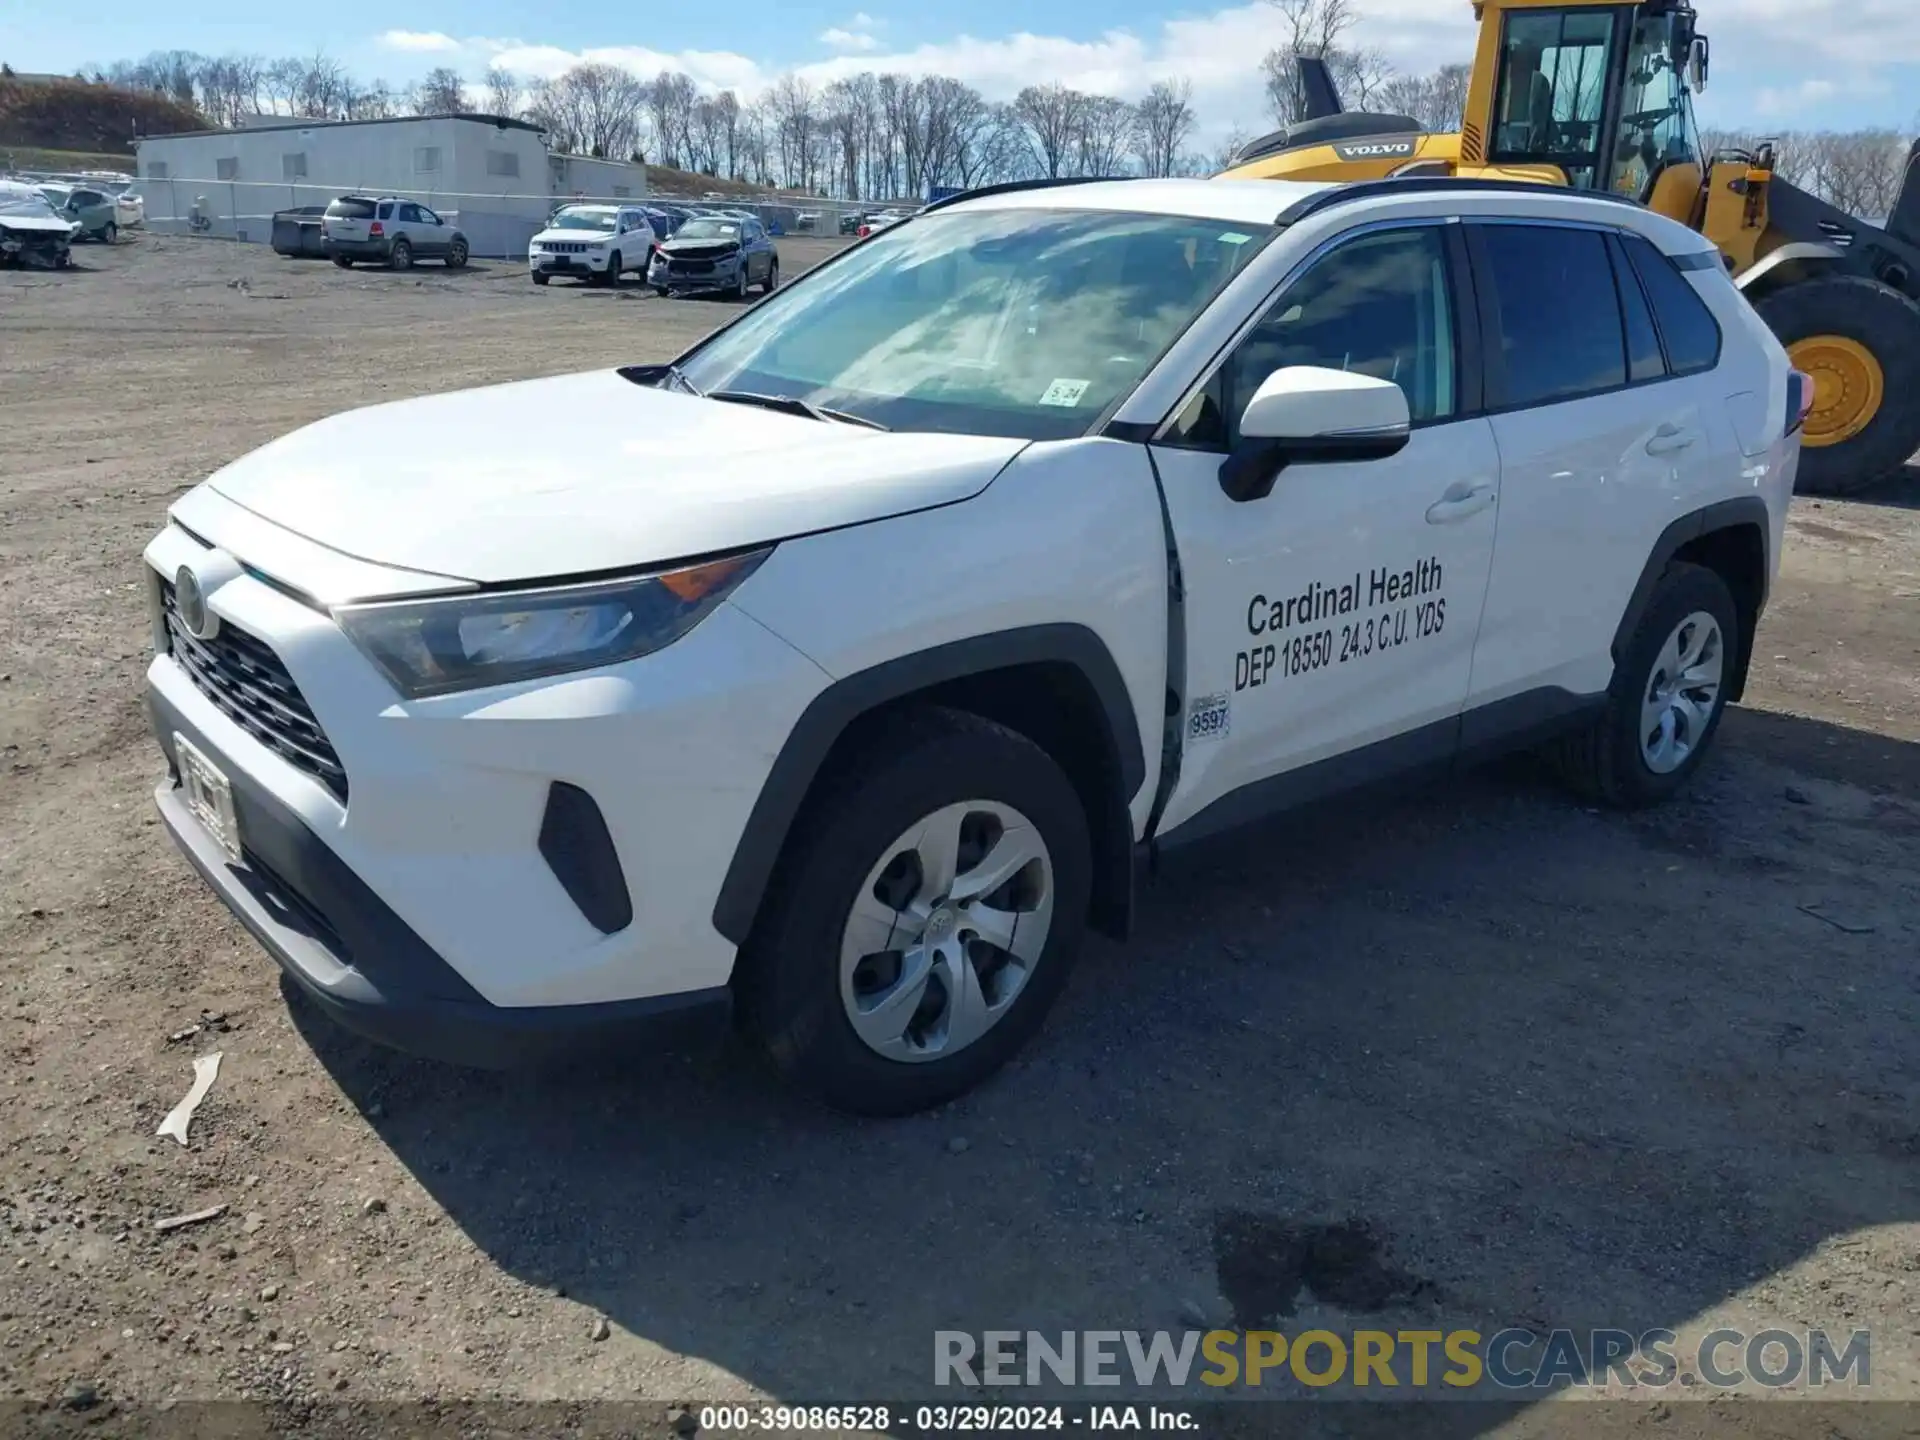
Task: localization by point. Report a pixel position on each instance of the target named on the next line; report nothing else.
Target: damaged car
(32, 232)
(727, 253)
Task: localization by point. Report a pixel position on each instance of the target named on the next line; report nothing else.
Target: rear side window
(351, 209)
(1558, 314)
(386, 210)
(1687, 326)
(1644, 360)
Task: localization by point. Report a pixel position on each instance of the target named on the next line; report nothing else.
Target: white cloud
(848, 39)
(1775, 102)
(419, 41)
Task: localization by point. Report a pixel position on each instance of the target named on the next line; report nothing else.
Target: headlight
(433, 647)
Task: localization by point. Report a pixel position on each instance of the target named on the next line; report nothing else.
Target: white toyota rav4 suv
(893, 623)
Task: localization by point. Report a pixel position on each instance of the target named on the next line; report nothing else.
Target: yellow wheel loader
(1599, 96)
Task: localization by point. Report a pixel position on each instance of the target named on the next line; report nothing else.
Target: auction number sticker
(1209, 718)
(1065, 392)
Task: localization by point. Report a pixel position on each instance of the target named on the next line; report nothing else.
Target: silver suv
(393, 231)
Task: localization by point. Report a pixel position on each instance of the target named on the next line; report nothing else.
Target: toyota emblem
(201, 622)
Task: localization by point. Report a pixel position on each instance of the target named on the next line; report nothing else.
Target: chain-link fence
(496, 224)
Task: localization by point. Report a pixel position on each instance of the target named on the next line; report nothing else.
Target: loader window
(1656, 121)
(1554, 67)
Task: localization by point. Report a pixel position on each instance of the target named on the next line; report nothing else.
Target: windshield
(708, 230)
(584, 220)
(1656, 119)
(1025, 323)
(14, 202)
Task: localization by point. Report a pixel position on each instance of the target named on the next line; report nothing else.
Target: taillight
(376, 229)
(1799, 399)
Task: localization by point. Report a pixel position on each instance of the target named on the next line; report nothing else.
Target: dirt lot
(1561, 1067)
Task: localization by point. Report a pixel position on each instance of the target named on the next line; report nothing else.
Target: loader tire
(1860, 340)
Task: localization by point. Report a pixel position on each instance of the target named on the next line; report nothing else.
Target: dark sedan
(715, 252)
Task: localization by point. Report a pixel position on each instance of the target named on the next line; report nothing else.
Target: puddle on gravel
(1263, 1263)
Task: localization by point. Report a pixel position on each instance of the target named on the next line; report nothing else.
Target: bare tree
(1106, 133)
(1437, 101)
(670, 101)
(503, 92)
(1311, 28)
(1162, 124)
(791, 106)
(726, 106)
(1052, 116)
(281, 82)
(592, 109)
(374, 101)
(440, 92)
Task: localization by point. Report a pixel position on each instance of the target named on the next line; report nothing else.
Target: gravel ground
(1525, 1062)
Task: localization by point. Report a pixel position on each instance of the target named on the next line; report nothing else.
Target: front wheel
(740, 286)
(540, 279)
(111, 235)
(773, 279)
(613, 269)
(1668, 694)
(930, 905)
(457, 255)
(1860, 341)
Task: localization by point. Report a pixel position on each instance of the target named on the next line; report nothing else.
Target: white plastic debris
(204, 1071)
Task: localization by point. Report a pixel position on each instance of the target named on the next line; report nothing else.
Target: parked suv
(389, 230)
(597, 243)
(1052, 527)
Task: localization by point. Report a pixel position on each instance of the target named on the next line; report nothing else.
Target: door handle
(1460, 501)
(1669, 439)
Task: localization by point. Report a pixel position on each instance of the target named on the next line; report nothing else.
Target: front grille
(689, 267)
(243, 676)
(564, 247)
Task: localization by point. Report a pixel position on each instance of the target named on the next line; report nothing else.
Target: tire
(614, 263)
(1885, 323)
(661, 291)
(110, 235)
(457, 255)
(345, 262)
(400, 257)
(540, 279)
(740, 286)
(796, 987)
(773, 279)
(1609, 761)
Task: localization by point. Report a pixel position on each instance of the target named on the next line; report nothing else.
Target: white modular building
(491, 176)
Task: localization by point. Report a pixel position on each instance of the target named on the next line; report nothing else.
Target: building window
(156, 169)
(294, 166)
(426, 159)
(504, 163)
(621, 192)
(227, 169)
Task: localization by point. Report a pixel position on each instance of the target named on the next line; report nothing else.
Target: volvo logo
(188, 599)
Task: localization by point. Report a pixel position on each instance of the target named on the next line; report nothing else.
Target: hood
(19, 212)
(592, 237)
(585, 473)
(700, 242)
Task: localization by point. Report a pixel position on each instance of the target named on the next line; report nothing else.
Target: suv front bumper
(427, 903)
(317, 918)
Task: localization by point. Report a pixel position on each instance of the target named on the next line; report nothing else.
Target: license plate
(208, 795)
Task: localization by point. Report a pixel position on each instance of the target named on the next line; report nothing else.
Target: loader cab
(1603, 93)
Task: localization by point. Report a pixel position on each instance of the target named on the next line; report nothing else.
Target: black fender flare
(834, 709)
(1732, 514)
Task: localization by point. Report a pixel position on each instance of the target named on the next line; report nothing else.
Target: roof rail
(1366, 189)
(1009, 187)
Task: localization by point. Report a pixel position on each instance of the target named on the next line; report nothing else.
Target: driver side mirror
(1699, 53)
(1306, 413)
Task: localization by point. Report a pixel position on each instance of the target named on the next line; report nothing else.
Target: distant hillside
(77, 115)
(667, 182)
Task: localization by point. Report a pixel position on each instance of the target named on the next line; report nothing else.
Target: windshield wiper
(658, 377)
(793, 405)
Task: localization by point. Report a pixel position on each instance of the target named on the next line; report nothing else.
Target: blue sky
(1778, 64)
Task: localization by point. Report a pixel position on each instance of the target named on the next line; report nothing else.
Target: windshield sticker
(1234, 237)
(1065, 392)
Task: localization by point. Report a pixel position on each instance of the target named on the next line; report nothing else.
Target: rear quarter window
(1687, 326)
